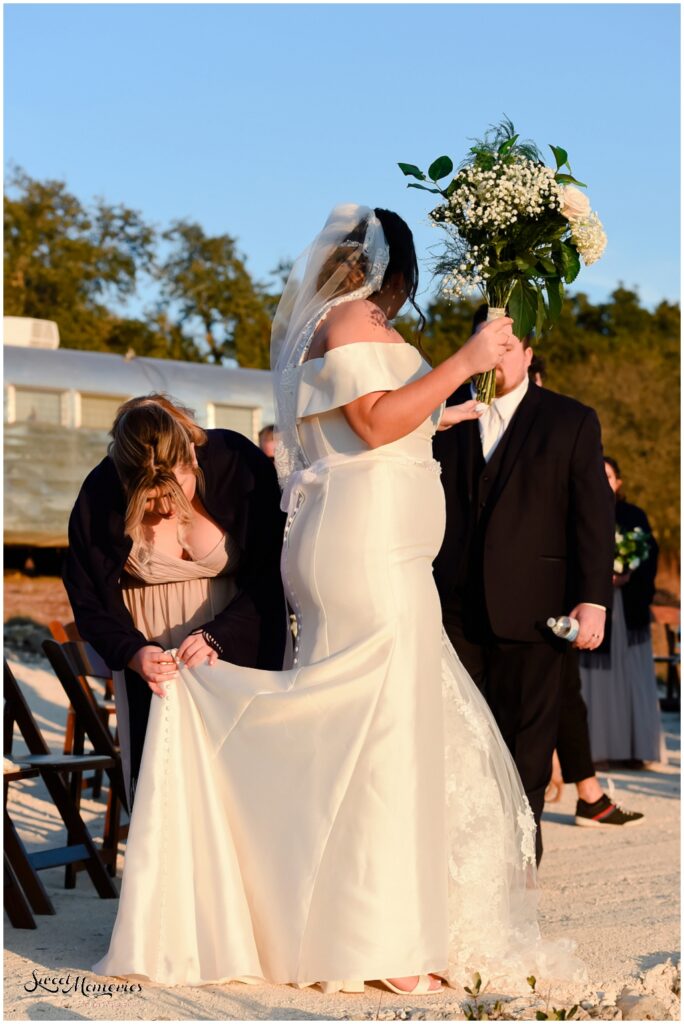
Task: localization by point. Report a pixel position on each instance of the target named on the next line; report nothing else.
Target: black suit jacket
(546, 525)
(242, 495)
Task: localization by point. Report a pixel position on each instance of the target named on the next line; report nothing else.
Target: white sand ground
(615, 892)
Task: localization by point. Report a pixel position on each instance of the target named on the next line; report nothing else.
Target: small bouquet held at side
(515, 228)
(632, 547)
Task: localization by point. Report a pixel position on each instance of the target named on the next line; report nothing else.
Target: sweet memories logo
(78, 983)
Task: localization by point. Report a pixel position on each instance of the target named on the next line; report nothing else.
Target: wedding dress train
(356, 815)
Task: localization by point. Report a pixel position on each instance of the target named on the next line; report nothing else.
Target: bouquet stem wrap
(486, 382)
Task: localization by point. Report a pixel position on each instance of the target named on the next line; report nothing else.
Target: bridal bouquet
(514, 227)
(631, 549)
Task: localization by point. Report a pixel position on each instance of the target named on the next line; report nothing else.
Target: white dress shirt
(496, 418)
(495, 421)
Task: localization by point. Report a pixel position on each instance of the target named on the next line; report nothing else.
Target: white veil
(346, 260)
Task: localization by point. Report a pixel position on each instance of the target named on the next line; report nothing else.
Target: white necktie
(492, 428)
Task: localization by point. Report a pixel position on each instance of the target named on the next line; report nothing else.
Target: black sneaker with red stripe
(604, 813)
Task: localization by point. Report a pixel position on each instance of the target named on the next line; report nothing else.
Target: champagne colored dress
(168, 597)
(356, 815)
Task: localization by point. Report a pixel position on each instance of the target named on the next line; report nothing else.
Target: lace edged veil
(346, 260)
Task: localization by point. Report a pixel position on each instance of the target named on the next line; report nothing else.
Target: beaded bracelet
(208, 639)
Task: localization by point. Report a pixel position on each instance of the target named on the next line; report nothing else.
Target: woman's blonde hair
(346, 266)
(151, 437)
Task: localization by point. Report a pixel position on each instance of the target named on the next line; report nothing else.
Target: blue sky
(255, 119)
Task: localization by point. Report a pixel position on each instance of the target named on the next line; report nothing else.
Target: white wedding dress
(356, 816)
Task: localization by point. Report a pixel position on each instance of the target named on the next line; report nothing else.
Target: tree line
(71, 262)
(74, 263)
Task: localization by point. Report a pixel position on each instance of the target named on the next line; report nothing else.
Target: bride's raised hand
(488, 345)
(453, 414)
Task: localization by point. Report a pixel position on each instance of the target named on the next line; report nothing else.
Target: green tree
(65, 262)
(630, 375)
(158, 338)
(206, 278)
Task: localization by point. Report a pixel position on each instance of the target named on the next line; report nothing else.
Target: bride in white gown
(357, 815)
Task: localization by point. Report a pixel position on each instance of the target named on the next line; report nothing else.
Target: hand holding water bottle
(583, 627)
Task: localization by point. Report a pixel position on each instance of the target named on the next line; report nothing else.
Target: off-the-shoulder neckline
(353, 344)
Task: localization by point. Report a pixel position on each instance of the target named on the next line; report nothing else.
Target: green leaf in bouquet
(560, 155)
(567, 179)
(557, 257)
(554, 294)
(442, 166)
(522, 306)
(547, 265)
(451, 188)
(571, 262)
(541, 314)
(483, 158)
(412, 170)
(507, 146)
(425, 188)
(525, 264)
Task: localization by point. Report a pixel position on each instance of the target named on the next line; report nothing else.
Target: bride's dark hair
(403, 258)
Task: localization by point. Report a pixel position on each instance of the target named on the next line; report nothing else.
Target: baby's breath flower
(589, 237)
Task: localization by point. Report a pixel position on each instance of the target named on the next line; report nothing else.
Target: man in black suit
(573, 747)
(529, 535)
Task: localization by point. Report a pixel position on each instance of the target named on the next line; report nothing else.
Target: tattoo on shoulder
(378, 319)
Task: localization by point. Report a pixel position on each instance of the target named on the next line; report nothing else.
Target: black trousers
(523, 685)
(573, 744)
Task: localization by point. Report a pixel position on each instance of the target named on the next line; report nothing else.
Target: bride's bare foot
(408, 984)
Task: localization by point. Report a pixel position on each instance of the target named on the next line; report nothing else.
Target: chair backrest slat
(85, 659)
(63, 632)
(20, 712)
(83, 703)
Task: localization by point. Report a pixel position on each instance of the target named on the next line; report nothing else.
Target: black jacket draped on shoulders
(243, 497)
(637, 593)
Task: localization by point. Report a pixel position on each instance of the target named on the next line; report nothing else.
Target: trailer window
(236, 417)
(98, 411)
(37, 405)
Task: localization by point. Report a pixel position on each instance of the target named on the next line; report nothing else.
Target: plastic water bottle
(564, 627)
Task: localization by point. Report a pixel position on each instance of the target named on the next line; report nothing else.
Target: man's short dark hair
(480, 315)
(537, 366)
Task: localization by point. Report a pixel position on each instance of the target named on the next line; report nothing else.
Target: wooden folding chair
(90, 669)
(23, 890)
(51, 767)
(67, 661)
(669, 619)
(15, 903)
(90, 666)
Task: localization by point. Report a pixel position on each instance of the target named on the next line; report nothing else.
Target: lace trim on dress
(490, 831)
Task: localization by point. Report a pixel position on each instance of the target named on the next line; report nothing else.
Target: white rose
(617, 567)
(635, 563)
(574, 204)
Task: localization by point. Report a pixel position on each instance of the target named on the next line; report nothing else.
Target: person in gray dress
(618, 679)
